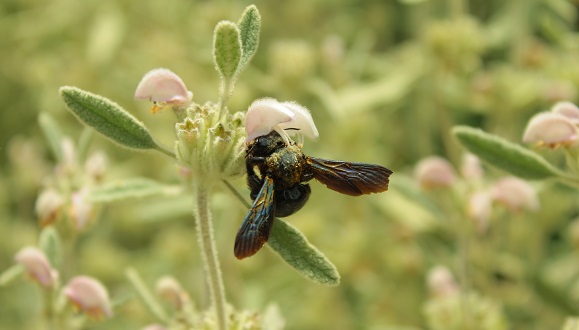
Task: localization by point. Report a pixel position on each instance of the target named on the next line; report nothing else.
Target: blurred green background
(385, 80)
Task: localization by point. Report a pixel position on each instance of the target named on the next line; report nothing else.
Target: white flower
(163, 87)
(286, 118)
(551, 129)
(568, 110)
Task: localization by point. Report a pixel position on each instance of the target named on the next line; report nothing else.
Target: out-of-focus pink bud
(48, 206)
(515, 194)
(480, 208)
(471, 168)
(434, 172)
(169, 289)
(568, 110)
(37, 266)
(441, 282)
(89, 295)
(81, 210)
(96, 165)
(164, 87)
(550, 129)
(154, 327)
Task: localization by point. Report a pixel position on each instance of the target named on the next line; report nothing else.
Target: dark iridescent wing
(352, 179)
(256, 226)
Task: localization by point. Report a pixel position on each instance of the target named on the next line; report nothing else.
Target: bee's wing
(254, 230)
(352, 179)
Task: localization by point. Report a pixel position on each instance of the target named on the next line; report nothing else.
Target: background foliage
(385, 81)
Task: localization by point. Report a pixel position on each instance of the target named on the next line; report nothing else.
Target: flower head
(286, 118)
(37, 266)
(89, 296)
(163, 87)
(550, 129)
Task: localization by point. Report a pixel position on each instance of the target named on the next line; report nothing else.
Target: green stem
(237, 194)
(206, 239)
(165, 151)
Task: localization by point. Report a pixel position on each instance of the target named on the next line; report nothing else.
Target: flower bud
(515, 194)
(550, 129)
(441, 282)
(471, 168)
(48, 206)
(170, 290)
(163, 87)
(82, 211)
(209, 147)
(154, 327)
(37, 266)
(479, 209)
(434, 172)
(96, 165)
(88, 295)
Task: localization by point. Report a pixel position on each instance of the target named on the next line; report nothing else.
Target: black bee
(277, 173)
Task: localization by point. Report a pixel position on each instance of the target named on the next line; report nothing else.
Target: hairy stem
(204, 226)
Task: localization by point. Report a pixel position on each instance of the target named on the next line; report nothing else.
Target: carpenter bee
(277, 172)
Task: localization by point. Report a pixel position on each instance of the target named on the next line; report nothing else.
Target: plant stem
(204, 226)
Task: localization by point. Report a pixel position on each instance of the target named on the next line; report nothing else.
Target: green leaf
(53, 134)
(294, 248)
(108, 118)
(249, 26)
(11, 274)
(505, 155)
(226, 49)
(51, 244)
(130, 188)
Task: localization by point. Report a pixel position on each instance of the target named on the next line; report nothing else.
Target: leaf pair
(235, 44)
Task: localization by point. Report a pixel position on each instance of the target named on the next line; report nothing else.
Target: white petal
(162, 85)
(263, 115)
(568, 110)
(301, 123)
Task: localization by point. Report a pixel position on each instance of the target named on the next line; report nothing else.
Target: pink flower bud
(81, 211)
(88, 295)
(471, 168)
(37, 266)
(434, 172)
(441, 282)
(515, 194)
(48, 207)
(480, 208)
(164, 87)
(568, 110)
(170, 290)
(550, 129)
(96, 165)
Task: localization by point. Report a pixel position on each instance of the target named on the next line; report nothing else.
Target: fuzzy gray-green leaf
(51, 245)
(52, 133)
(108, 118)
(249, 27)
(505, 155)
(130, 188)
(226, 49)
(294, 248)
